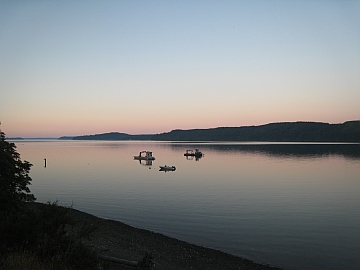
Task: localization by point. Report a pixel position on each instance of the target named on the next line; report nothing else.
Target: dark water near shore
(296, 206)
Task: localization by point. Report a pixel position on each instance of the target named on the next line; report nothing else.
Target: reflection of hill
(290, 150)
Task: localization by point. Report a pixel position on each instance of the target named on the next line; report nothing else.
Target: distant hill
(35, 138)
(113, 136)
(66, 138)
(274, 132)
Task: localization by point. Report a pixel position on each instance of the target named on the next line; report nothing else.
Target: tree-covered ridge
(113, 136)
(104, 136)
(274, 132)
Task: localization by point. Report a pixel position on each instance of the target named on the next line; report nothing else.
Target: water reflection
(146, 162)
(196, 158)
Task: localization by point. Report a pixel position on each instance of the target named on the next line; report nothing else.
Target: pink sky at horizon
(48, 131)
(78, 68)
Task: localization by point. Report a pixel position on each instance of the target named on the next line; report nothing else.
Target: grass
(44, 237)
(24, 260)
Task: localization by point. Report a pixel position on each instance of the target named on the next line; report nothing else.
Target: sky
(145, 67)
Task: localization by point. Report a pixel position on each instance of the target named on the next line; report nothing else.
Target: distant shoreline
(31, 139)
(273, 132)
(301, 132)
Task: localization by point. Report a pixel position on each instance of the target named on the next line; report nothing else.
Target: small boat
(191, 153)
(147, 156)
(167, 168)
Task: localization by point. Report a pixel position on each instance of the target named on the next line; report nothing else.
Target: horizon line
(72, 136)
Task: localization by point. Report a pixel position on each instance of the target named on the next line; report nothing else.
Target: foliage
(275, 132)
(60, 240)
(112, 136)
(49, 232)
(14, 178)
(36, 236)
(28, 261)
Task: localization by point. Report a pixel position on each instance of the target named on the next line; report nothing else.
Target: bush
(39, 236)
(14, 178)
(49, 231)
(28, 261)
(60, 241)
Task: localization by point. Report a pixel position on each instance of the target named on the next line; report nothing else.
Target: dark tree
(14, 177)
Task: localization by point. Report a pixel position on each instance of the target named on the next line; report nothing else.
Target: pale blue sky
(85, 67)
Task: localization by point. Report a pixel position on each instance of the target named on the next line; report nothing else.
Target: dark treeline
(274, 132)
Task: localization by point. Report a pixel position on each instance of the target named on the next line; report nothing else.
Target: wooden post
(45, 162)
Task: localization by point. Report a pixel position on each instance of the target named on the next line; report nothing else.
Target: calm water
(293, 206)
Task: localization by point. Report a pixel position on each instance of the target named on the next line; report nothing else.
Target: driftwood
(145, 263)
(117, 260)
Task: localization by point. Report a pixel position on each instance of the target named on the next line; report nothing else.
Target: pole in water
(45, 162)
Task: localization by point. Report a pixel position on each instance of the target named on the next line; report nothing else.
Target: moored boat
(192, 153)
(167, 168)
(147, 156)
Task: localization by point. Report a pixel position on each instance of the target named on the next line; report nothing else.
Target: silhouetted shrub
(14, 178)
(40, 236)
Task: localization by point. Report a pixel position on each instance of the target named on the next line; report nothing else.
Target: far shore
(116, 239)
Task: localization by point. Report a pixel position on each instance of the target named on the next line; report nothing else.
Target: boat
(167, 168)
(192, 153)
(147, 156)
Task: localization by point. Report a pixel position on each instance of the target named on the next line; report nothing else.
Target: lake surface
(296, 206)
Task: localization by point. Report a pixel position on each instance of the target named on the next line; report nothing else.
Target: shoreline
(117, 239)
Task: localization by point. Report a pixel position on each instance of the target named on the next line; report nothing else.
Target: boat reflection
(193, 157)
(146, 162)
